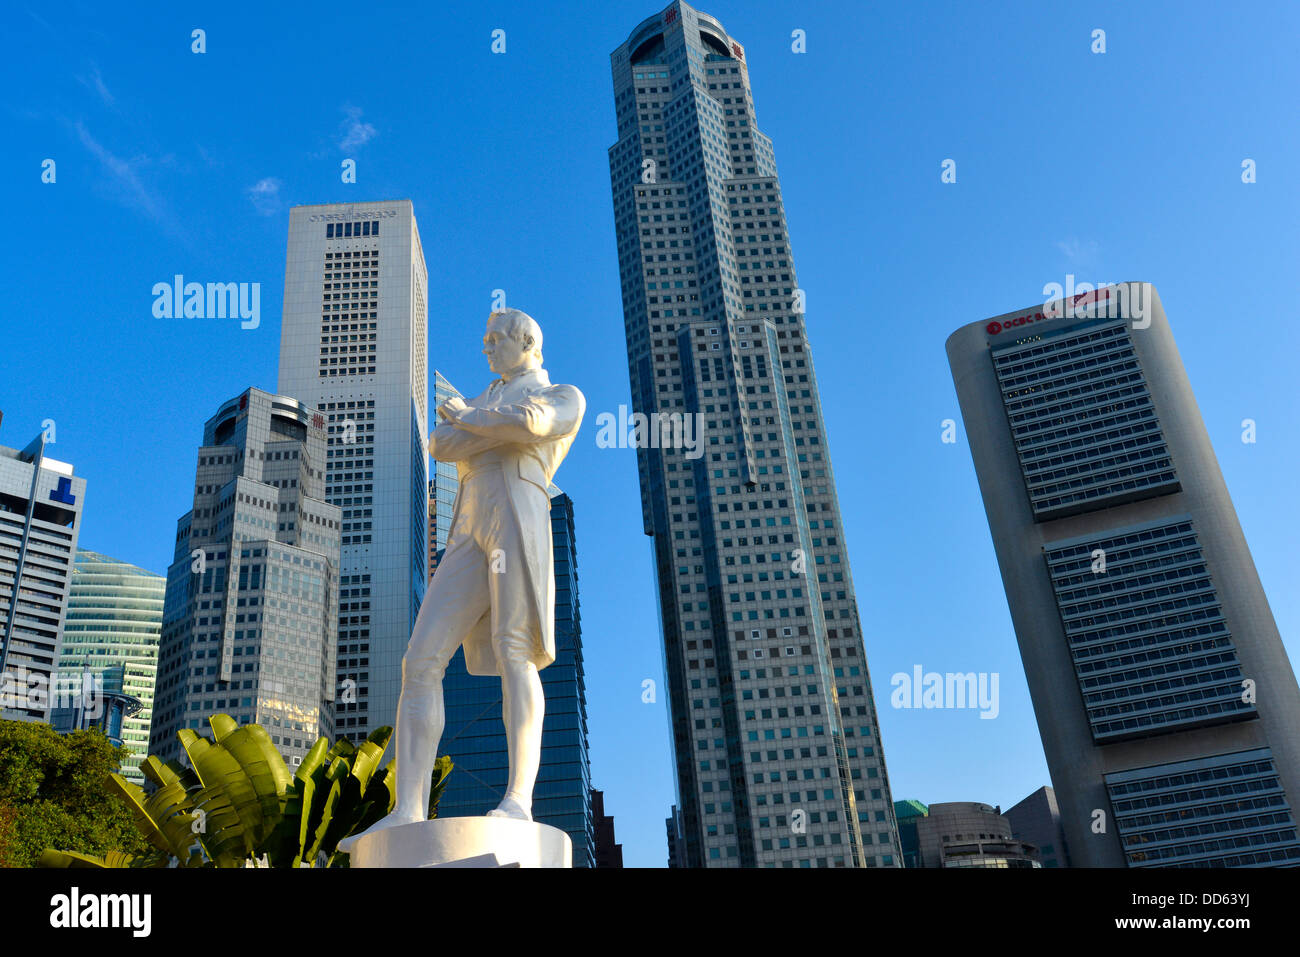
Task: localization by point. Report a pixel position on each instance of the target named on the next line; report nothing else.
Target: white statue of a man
(494, 590)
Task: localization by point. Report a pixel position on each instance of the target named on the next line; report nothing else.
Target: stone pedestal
(465, 842)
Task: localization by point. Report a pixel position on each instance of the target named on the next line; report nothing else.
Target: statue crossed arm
(466, 431)
(507, 444)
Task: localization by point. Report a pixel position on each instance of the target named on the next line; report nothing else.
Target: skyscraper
(442, 485)
(114, 619)
(563, 795)
(40, 521)
(1166, 704)
(353, 345)
(609, 853)
(252, 592)
(474, 736)
(778, 752)
(1037, 820)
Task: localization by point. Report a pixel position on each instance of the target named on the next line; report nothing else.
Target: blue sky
(1117, 166)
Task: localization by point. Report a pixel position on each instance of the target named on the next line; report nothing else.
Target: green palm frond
(237, 802)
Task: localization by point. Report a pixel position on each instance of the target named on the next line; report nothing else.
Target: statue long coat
(534, 423)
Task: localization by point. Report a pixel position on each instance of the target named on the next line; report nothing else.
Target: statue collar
(539, 373)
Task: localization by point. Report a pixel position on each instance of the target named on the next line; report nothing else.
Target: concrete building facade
(1166, 703)
(1037, 820)
(968, 834)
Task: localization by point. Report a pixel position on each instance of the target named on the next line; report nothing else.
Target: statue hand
(450, 408)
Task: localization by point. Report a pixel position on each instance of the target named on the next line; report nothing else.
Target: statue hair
(523, 328)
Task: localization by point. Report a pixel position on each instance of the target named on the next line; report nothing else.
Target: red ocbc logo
(1073, 307)
(994, 327)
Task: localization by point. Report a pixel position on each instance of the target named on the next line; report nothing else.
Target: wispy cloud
(42, 22)
(354, 130)
(124, 174)
(1084, 252)
(265, 194)
(95, 83)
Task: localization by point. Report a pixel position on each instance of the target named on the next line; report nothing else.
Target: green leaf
(336, 775)
(286, 845)
(441, 771)
(135, 799)
(251, 747)
(52, 858)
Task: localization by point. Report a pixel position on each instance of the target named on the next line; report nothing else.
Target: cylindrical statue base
(465, 842)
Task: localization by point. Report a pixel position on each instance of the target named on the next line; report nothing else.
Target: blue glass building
(100, 701)
(114, 621)
(475, 735)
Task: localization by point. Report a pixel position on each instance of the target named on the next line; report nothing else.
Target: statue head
(513, 342)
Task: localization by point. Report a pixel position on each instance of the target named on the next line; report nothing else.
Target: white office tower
(40, 520)
(353, 345)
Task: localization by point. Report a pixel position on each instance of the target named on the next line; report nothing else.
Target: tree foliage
(54, 792)
(233, 802)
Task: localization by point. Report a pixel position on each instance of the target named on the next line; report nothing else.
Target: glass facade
(767, 682)
(1081, 415)
(1228, 810)
(906, 813)
(114, 619)
(1150, 645)
(96, 700)
(442, 486)
(980, 855)
(563, 795)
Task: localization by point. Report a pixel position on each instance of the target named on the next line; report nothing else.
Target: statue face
(504, 353)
